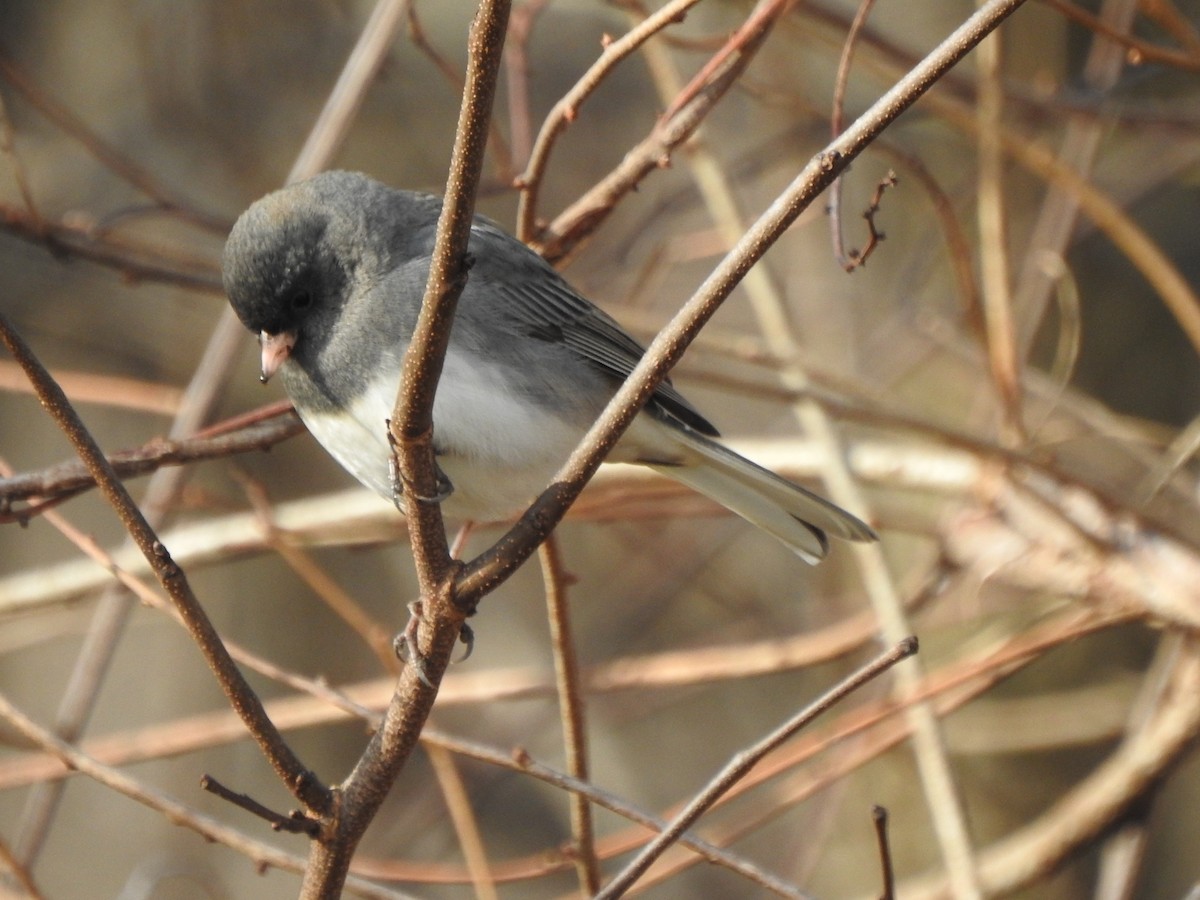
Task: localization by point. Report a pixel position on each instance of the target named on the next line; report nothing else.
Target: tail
(796, 517)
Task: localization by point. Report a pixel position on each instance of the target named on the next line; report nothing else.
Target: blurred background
(1011, 383)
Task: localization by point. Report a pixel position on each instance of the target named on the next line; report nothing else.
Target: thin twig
(586, 214)
(135, 259)
(103, 152)
(71, 477)
(171, 809)
(879, 817)
(295, 823)
(857, 258)
(566, 109)
(835, 126)
(741, 764)
(1138, 51)
(571, 708)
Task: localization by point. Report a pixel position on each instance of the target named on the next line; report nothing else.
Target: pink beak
(275, 350)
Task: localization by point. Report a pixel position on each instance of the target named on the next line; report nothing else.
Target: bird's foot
(408, 651)
(401, 489)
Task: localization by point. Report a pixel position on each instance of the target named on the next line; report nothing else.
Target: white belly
(499, 453)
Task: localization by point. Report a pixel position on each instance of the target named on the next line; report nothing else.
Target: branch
(411, 430)
(178, 813)
(496, 564)
(56, 483)
(678, 124)
(740, 765)
(299, 780)
(566, 109)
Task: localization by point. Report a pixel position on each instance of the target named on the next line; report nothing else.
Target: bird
(330, 272)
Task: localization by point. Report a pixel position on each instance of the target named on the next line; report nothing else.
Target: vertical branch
(411, 429)
(993, 240)
(570, 702)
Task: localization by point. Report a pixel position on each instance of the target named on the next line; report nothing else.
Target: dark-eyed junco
(330, 273)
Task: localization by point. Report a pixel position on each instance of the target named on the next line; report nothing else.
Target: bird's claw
(466, 635)
(406, 647)
(400, 488)
(405, 643)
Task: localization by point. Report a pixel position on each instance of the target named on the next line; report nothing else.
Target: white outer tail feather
(794, 516)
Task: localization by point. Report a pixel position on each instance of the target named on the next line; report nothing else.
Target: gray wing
(548, 308)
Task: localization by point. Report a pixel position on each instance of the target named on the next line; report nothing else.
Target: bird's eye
(301, 301)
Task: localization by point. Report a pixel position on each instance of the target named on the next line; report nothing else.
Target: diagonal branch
(299, 780)
(741, 764)
(497, 563)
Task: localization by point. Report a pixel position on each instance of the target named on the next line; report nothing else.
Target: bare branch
(493, 566)
(741, 764)
(301, 781)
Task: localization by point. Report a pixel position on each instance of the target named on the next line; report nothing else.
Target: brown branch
(879, 818)
(1138, 52)
(743, 762)
(103, 152)
(855, 259)
(299, 780)
(571, 709)
(136, 260)
(566, 109)
(585, 215)
(835, 124)
(67, 479)
(496, 564)
(295, 822)
(263, 855)
(362, 793)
